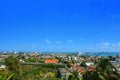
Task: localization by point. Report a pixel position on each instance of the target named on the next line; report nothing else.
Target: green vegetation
(83, 64)
(91, 76)
(74, 76)
(15, 71)
(13, 66)
(5, 74)
(53, 66)
(67, 64)
(105, 71)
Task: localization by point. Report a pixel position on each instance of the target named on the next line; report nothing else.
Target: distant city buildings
(72, 62)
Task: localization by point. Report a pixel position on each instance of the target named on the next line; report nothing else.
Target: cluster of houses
(73, 60)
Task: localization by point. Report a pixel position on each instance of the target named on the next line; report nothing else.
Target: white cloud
(33, 46)
(58, 42)
(105, 44)
(69, 41)
(114, 45)
(47, 41)
(118, 44)
(104, 47)
(110, 46)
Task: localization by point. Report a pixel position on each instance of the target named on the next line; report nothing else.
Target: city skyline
(60, 25)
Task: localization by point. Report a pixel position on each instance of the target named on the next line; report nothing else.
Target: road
(33, 63)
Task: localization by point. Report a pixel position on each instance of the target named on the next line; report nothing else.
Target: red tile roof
(79, 69)
(91, 68)
(51, 61)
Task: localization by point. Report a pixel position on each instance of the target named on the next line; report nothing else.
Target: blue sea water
(104, 54)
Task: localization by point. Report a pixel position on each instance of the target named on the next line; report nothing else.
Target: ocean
(103, 54)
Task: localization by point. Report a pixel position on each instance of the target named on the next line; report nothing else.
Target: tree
(91, 76)
(13, 65)
(83, 64)
(5, 74)
(68, 65)
(105, 65)
(75, 74)
(71, 77)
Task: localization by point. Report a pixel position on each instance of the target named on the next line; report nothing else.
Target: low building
(52, 61)
(64, 73)
(92, 68)
(79, 69)
(89, 63)
(2, 66)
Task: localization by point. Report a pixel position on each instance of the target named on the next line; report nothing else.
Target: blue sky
(60, 25)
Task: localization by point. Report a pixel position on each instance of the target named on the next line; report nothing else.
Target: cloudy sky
(60, 25)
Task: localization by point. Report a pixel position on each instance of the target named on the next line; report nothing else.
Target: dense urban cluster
(58, 66)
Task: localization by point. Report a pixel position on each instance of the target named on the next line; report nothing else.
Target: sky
(60, 25)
